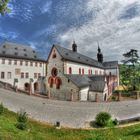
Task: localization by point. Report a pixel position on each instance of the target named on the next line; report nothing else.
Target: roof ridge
(76, 52)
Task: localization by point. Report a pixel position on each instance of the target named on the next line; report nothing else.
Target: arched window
(82, 71)
(79, 70)
(51, 82)
(70, 70)
(54, 72)
(58, 82)
(89, 72)
(54, 55)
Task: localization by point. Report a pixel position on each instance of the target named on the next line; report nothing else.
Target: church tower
(74, 47)
(99, 55)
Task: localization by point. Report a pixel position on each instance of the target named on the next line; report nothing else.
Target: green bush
(1, 108)
(115, 122)
(22, 120)
(22, 117)
(102, 119)
(21, 125)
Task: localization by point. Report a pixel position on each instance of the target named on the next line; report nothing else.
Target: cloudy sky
(115, 24)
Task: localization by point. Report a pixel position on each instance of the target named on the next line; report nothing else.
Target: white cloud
(46, 7)
(115, 35)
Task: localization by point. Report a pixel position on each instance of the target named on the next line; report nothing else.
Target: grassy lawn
(37, 131)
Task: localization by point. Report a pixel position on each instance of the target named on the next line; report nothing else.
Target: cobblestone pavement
(70, 114)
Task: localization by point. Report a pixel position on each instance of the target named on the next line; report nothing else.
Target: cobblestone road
(70, 114)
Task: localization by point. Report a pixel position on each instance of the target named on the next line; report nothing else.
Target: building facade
(21, 67)
(73, 76)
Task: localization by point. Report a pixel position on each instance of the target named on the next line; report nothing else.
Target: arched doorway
(105, 97)
(36, 86)
(27, 86)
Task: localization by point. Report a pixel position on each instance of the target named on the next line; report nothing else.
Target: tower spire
(99, 55)
(74, 46)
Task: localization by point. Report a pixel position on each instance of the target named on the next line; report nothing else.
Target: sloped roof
(79, 80)
(77, 57)
(96, 83)
(14, 50)
(110, 64)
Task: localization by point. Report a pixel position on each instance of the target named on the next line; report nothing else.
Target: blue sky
(115, 24)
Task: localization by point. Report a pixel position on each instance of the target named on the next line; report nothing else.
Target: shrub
(1, 108)
(22, 120)
(115, 122)
(21, 125)
(113, 98)
(102, 119)
(22, 117)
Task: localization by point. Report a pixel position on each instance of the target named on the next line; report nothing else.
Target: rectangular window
(9, 75)
(27, 75)
(22, 74)
(39, 75)
(26, 63)
(35, 75)
(2, 75)
(21, 62)
(40, 64)
(15, 62)
(3, 61)
(9, 62)
(36, 64)
(31, 63)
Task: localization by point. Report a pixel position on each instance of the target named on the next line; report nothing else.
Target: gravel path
(70, 114)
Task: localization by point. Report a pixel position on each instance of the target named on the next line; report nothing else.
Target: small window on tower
(54, 55)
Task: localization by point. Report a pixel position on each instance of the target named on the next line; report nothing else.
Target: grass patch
(40, 131)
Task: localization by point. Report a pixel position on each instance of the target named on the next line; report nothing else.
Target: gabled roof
(110, 64)
(14, 50)
(77, 57)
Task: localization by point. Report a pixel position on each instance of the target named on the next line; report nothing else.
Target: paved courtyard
(70, 114)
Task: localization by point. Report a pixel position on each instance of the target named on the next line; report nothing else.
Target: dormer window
(16, 48)
(16, 53)
(3, 52)
(24, 50)
(4, 46)
(35, 56)
(33, 51)
(25, 54)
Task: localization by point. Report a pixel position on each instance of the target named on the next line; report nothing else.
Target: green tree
(4, 7)
(130, 75)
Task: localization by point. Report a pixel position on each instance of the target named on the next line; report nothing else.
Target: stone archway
(105, 97)
(27, 87)
(36, 86)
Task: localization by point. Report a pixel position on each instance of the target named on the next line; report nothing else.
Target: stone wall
(68, 90)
